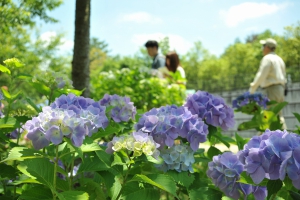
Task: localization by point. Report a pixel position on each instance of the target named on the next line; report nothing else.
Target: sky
(126, 25)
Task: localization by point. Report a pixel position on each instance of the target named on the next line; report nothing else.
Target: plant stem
(54, 174)
(71, 175)
(50, 97)
(125, 179)
(15, 163)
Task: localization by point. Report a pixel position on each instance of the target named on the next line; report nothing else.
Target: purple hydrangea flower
(247, 98)
(273, 155)
(121, 107)
(225, 171)
(167, 123)
(211, 109)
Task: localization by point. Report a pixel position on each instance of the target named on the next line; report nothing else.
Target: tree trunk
(80, 63)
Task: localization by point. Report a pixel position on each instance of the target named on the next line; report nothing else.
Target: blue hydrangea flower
(211, 109)
(68, 116)
(273, 155)
(167, 123)
(225, 171)
(179, 157)
(247, 98)
(121, 107)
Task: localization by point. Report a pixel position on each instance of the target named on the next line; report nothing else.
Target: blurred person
(173, 65)
(271, 76)
(152, 49)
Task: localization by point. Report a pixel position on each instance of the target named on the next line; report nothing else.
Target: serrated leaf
(205, 193)
(110, 130)
(213, 151)
(104, 157)
(4, 69)
(22, 153)
(36, 193)
(273, 186)
(94, 189)
(161, 181)
(73, 195)
(182, 178)
(90, 164)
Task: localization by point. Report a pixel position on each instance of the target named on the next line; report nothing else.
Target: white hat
(269, 42)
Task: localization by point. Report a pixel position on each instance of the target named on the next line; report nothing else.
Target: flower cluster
(211, 109)
(247, 98)
(179, 157)
(167, 123)
(137, 142)
(273, 155)
(121, 107)
(69, 116)
(225, 171)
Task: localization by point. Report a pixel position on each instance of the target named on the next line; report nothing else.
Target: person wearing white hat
(271, 76)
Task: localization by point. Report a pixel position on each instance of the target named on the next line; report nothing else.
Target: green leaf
(90, 164)
(273, 186)
(104, 157)
(116, 188)
(7, 171)
(8, 123)
(41, 88)
(6, 94)
(119, 159)
(211, 131)
(13, 62)
(227, 198)
(247, 125)
(278, 107)
(154, 160)
(294, 195)
(222, 139)
(43, 171)
(4, 69)
(297, 115)
(213, 151)
(37, 193)
(134, 192)
(205, 193)
(110, 130)
(33, 105)
(22, 153)
(161, 181)
(73, 195)
(245, 178)
(240, 142)
(94, 189)
(24, 179)
(90, 147)
(40, 168)
(182, 178)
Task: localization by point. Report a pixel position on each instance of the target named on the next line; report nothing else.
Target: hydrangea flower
(69, 116)
(273, 155)
(225, 171)
(247, 98)
(137, 142)
(122, 108)
(179, 157)
(167, 123)
(211, 109)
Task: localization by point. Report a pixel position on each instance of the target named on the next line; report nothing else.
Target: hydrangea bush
(62, 152)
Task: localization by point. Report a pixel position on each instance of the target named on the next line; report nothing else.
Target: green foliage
(137, 83)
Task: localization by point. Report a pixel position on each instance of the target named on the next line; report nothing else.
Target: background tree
(80, 63)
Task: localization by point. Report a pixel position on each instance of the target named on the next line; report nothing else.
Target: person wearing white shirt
(271, 76)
